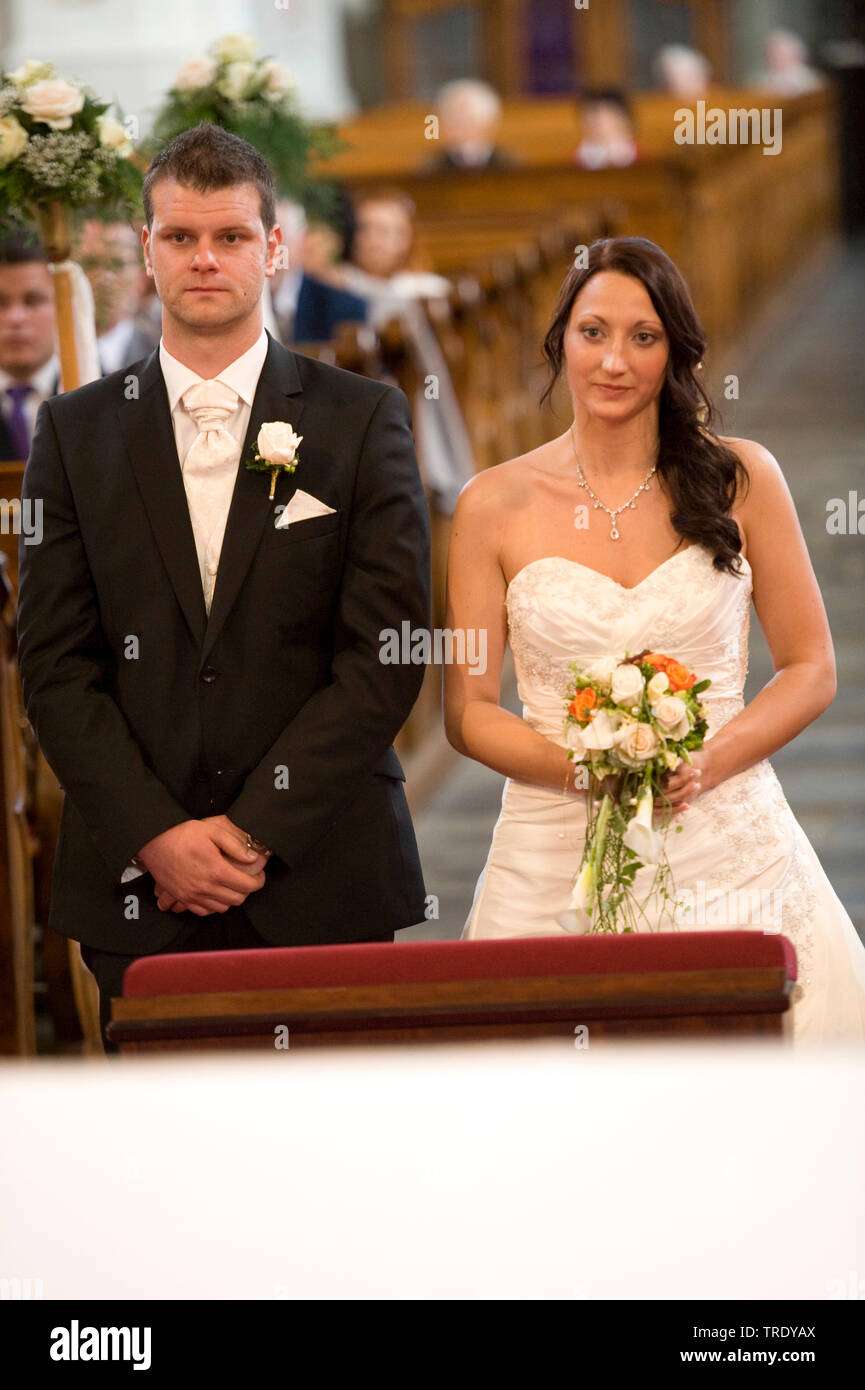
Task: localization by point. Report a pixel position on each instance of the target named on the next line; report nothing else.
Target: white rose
(53, 101)
(30, 72)
(197, 73)
(278, 77)
(657, 686)
(235, 48)
(13, 139)
(277, 442)
(636, 744)
(236, 81)
(672, 715)
(602, 670)
(627, 684)
(113, 136)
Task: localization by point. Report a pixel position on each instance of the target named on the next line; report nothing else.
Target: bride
(638, 528)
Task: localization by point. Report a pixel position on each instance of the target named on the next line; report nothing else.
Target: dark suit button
(209, 674)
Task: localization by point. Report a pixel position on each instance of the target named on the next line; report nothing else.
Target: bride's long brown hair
(701, 473)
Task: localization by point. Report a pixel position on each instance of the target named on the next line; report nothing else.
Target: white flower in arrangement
(657, 686)
(627, 684)
(277, 442)
(235, 48)
(13, 140)
(575, 917)
(602, 670)
(671, 713)
(195, 74)
(641, 836)
(600, 732)
(53, 101)
(636, 743)
(113, 136)
(30, 72)
(278, 78)
(574, 740)
(238, 81)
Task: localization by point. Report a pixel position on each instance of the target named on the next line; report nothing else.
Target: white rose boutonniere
(277, 449)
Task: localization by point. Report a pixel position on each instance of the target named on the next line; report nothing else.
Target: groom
(200, 662)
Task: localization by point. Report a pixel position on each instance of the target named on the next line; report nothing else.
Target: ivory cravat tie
(209, 472)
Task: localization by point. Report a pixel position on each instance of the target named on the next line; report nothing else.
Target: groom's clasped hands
(203, 866)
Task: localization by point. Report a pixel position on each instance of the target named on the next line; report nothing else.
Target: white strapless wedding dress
(740, 847)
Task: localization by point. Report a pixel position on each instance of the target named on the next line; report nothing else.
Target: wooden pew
(736, 221)
(34, 959)
(17, 847)
(586, 988)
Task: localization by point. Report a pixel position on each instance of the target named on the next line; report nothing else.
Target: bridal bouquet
(630, 721)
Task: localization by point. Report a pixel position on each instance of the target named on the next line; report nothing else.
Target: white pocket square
(301, 507)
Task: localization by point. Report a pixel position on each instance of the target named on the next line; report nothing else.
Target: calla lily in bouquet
(630, 720)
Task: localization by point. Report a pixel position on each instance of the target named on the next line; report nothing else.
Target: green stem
(599, 841)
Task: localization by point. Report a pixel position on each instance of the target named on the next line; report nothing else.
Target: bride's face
(615, 348)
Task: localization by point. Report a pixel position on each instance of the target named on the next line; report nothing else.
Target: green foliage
(71, 166)
(267, 119)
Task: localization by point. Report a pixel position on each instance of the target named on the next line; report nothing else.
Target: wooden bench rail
(749, 1000)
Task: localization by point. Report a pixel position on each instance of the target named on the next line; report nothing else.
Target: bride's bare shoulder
(502, 486)
(756, 457)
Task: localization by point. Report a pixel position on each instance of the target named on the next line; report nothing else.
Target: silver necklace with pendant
(612, 512)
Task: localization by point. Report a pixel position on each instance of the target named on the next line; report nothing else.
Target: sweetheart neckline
(626, 588)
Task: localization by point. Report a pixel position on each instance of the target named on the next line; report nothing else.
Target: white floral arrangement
(251, 96)
(60, 144)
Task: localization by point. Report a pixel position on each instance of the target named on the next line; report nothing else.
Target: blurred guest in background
(788, 72)
(469, 115)
(384, 254)
(309, 296)
(29, 366)
(109, 253)
(607, 132)
(384, 264)
(682, 71)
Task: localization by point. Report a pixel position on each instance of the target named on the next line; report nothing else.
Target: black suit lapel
(278, 397)
(149, 436)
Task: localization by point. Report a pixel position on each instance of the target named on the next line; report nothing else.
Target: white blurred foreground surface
(530, 1170)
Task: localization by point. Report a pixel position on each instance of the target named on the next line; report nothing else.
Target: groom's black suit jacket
(150, 713)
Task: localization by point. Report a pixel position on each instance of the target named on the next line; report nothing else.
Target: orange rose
(679, 676)
(657, 660)
(583, 701)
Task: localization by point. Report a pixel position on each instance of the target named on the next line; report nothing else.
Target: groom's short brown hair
(206, 158)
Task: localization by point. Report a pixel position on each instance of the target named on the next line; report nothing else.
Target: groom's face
(208, 253)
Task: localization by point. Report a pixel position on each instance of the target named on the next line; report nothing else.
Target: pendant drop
(614, 534)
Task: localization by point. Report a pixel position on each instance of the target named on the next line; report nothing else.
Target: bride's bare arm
(790, 609)
(475, 722)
